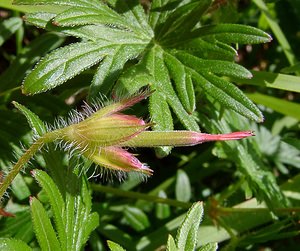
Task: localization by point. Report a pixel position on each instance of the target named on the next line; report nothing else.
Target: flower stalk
(31, 151)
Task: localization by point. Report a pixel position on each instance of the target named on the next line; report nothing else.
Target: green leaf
(277, 104)
(119, 45)
(133, 79)
(63, 64)
(279, 34)
(162, 211)
(112, 232)
(183, 186)
(134, 15)
(24, 61)
(209, 247)
(218, 67)
(110, 68)
(43, 227)
(161, 117)
(158, 70)
(229, 33)
(9, 27)
(11, 5)
(228, 95)
(77, 3)
(41, 19)
(77, 212)
(159, 12)
(19, 227)
(34, 121)
(20, 188)
(114, 246)
(187, 233)
(136, 218)
(8, 244)
(183, 82)
(291, 69)
(82, 15)
(56, 201)
(273, 80)
(171, 245)
(186, 15)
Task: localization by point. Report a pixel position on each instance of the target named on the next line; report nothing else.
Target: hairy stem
(31, 151)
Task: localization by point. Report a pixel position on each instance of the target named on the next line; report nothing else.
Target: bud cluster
(102, 136)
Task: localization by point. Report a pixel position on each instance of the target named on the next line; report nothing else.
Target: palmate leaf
(173, 53)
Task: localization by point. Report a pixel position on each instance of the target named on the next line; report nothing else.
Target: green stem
(36, 146)
(140, 196)
(19, 35)
(256, 210)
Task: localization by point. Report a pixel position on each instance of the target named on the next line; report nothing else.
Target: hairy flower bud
(104, 131)
(117, 158)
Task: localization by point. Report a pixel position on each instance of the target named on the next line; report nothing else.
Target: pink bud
(119, 159)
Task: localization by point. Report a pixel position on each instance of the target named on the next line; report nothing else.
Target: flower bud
(119, 159)
(104, 131)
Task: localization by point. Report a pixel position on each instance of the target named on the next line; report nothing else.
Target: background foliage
(195, 55)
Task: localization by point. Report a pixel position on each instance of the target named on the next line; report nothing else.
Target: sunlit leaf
(9, 27)
(187, 233)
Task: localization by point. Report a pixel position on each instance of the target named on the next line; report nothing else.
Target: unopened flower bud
(117, 158)
(109, 130)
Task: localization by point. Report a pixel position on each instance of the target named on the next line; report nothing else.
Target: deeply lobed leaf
(196, 57)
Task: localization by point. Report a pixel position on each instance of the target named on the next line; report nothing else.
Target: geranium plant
(121, 77)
